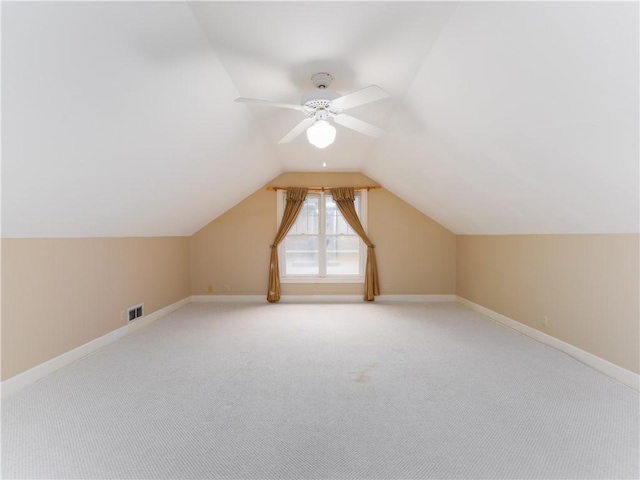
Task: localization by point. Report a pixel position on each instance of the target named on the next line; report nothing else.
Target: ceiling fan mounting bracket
(321, 80)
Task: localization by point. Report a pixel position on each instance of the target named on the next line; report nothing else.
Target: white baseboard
(627, 377)
(229, 298)
(417, 298)
(320, 298)
(20, 381)
(283, 298)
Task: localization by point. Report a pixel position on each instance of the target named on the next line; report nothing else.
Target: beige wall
(587, 286)
(415, 254)
(58, 294)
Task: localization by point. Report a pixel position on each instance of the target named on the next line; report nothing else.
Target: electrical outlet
(227, 288)
(210, 289)
(545, 321)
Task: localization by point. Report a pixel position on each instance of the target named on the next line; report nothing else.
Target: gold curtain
(295, 199)
(344, 198)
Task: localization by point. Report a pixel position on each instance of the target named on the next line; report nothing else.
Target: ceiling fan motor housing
(316, 99)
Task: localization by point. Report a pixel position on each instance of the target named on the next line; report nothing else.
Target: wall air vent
(135, 312)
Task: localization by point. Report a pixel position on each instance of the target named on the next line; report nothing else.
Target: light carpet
(309, 391)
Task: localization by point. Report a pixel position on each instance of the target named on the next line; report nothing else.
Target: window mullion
(282, 264)
(322, 240)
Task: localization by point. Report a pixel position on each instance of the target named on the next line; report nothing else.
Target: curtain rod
(322, 189)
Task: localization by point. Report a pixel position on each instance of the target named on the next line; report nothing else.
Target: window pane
(308, 218)
(331, 213)
(343, 227)
(335, 222)
(301, 255)
(343, 255)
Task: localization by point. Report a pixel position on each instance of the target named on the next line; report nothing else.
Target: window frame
(320, 278)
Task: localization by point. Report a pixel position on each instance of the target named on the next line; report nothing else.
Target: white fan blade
(359, 126)
(368, 94)
(267, 103)
(298, 129)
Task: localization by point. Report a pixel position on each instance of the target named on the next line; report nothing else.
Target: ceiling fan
(323, 104)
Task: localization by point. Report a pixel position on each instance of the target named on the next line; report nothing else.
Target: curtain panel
(345, 198)
(294, 201)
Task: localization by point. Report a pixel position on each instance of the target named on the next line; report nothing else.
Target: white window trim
(336, 279)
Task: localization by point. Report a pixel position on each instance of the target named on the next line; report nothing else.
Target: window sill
(341, 279)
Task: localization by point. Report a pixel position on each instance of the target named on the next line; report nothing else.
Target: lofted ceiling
(118, 118)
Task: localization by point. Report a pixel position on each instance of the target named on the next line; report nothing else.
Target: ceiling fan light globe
(321, 134)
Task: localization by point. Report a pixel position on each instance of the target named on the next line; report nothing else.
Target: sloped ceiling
(119, 120)
(505, 117)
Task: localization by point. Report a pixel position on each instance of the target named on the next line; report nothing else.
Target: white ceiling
(505, 117)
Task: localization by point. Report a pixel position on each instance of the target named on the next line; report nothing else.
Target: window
(321, 246)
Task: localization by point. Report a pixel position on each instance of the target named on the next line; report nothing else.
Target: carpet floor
(310, 391)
